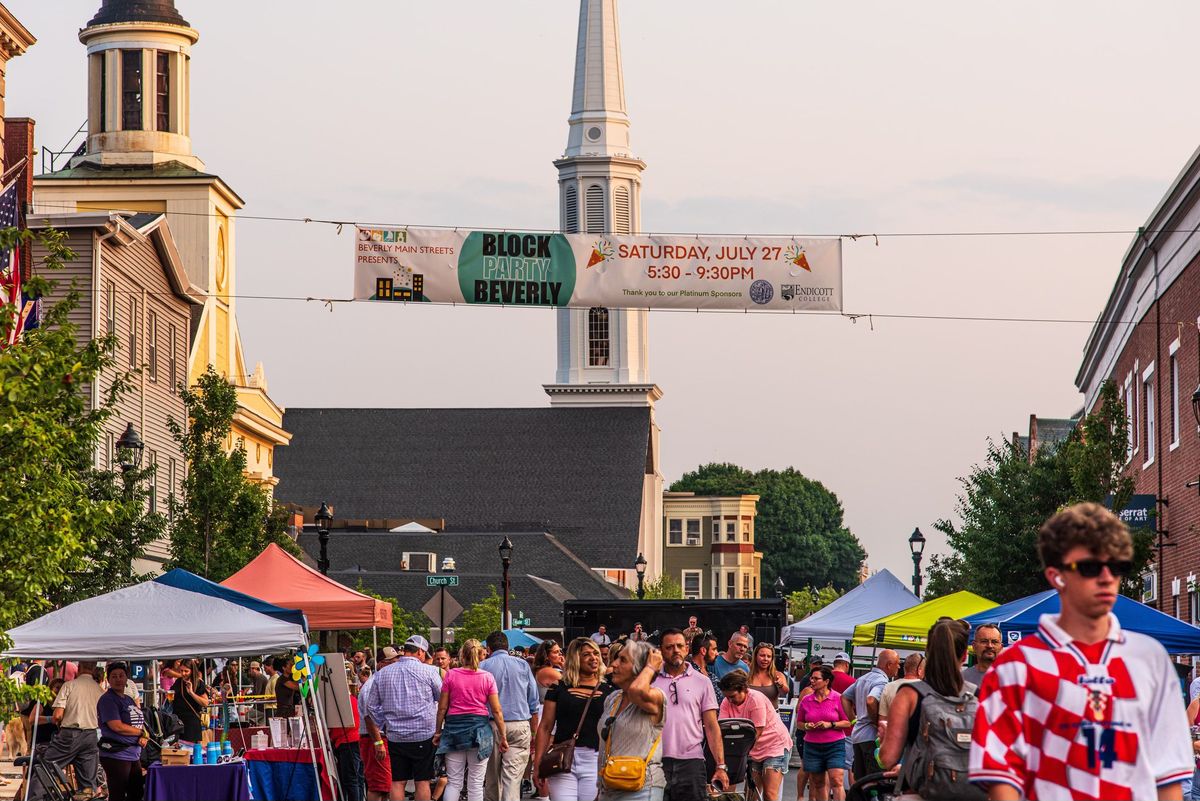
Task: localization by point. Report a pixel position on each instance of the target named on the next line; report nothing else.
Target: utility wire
(70, 207)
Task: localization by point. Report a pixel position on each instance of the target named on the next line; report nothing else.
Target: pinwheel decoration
(303, 667)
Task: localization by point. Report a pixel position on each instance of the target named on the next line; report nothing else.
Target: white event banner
(515, 268)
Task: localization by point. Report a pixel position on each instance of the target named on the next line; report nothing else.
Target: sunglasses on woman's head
(1091, 568)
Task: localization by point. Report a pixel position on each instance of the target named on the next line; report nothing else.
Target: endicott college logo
(516, 269)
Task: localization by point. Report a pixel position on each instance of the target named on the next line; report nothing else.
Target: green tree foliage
(480, 618)
(1007, 498)
(664, 588)
(807, 600)
(66, 531)
(799, 527)
(405, 623)
(109, 551)
(223, 519)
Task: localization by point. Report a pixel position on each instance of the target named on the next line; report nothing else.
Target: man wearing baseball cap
(841, 672)
(399, 706)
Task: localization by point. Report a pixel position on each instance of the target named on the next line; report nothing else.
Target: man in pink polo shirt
(690, 720)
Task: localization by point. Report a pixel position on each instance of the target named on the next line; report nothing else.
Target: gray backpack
(935, 764)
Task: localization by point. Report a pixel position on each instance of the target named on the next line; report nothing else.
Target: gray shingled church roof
(543, 574)
(576, 473)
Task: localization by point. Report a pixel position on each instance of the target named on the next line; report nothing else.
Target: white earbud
(1058, 580)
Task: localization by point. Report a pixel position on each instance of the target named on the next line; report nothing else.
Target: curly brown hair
(1087, 524)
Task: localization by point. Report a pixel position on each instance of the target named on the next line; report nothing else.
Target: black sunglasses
(674, 692)
(1091, 568)
(607, 725)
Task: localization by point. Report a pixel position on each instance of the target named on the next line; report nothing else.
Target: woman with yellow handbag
(630, 736)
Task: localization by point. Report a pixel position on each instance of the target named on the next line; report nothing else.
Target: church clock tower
(138, 157)
(603, 356)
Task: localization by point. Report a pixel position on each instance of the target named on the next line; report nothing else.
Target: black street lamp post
(129, 449)
(779, 586)
(640, 567)
(916, 544)
(506, 550)
(323, 518)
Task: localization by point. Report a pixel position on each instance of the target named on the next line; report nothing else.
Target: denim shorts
(820, 757)
(779, 763)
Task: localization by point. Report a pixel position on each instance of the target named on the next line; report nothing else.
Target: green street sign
(441, 581)
(520, 622)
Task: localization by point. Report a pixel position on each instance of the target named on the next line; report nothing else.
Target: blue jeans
(1191, 787)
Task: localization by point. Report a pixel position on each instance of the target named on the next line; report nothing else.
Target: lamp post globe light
(323, 518)
(779, 586)
(506, 550)
(640, 567)
(129, 449)
(916, 544)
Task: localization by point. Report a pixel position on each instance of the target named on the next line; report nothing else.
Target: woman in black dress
(191, 700)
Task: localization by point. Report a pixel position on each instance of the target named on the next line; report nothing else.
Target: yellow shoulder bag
(624, 773)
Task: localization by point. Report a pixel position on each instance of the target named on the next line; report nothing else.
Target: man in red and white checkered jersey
(1082, 709)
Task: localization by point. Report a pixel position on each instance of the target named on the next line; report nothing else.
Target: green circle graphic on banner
(516, 269)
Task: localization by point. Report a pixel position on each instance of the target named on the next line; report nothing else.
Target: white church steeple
(603, 354)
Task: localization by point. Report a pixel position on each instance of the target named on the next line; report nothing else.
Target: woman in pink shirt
(464, 735)
(769, 756)
(823, 721)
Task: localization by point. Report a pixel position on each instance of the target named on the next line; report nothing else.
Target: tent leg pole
(37, 708)
(374, 642)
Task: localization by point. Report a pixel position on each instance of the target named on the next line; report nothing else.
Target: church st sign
(514, 268)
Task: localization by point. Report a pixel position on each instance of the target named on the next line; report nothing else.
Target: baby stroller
(871, 787)
(737, 736)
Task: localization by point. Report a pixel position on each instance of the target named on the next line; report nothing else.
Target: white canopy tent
(880, 595)
(152, 621)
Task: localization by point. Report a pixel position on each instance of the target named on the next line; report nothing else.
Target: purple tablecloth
(226, 782)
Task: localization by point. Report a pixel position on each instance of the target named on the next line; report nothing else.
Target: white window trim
(1173, 378)
(1127, 397)
(406, 556)
(682, 535)
(1151, 430)
(683, 577)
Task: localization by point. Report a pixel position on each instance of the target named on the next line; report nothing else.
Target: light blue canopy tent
(183, 580)
(1020, 617)
(518, 638)
(879, 596)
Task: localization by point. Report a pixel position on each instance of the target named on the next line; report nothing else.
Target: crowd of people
(1082, 709)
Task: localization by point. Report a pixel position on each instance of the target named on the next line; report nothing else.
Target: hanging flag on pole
(10, 266)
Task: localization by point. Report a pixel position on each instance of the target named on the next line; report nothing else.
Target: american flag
(10, 266)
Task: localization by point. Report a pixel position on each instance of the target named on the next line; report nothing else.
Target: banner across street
(513, 268)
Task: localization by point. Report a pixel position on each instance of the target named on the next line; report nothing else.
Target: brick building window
(693, 532)
(730, 531)
(1174, 376)
(162, 91)
(675, 532)
(745, 532)
(731, 584)
(745, 585)
(691, 584)
(1150, 433)
(1130, 413)
(131, 90)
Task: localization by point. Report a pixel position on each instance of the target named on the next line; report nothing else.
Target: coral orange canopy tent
(279, 578)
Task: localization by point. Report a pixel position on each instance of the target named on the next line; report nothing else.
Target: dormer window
(419, 561)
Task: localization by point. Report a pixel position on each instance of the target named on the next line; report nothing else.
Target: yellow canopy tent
(908, 628)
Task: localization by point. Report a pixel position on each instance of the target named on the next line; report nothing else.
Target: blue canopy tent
(517, 637)
(183, 580)
(1020, 617)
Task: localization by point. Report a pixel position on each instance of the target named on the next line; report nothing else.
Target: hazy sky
(760, 117)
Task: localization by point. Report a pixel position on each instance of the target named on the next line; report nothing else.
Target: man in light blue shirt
(521, 704)
(861, 704)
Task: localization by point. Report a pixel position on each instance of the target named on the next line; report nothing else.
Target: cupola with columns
(139, 63)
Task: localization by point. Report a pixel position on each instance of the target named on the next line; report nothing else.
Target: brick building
(1147, 340)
